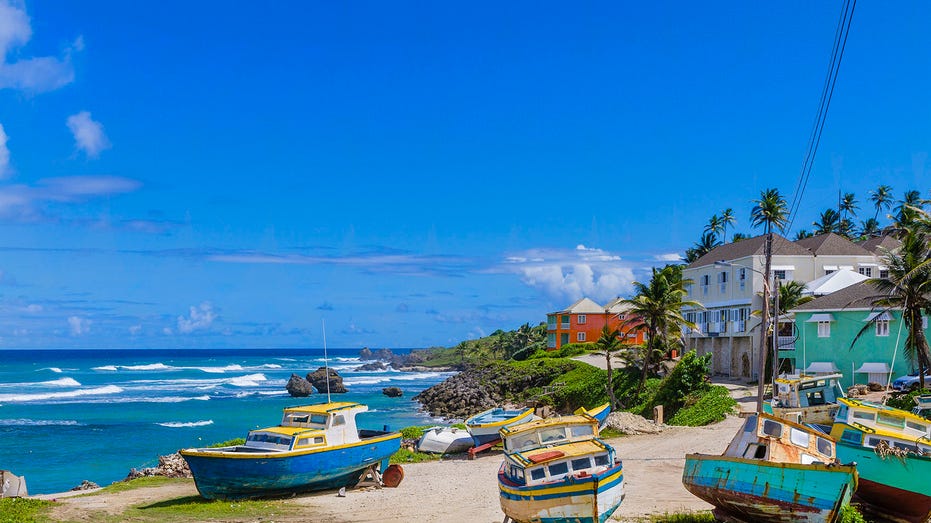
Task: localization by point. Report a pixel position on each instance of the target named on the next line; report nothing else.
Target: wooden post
(658, 414)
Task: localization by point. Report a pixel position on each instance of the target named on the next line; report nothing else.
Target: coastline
(458, 488)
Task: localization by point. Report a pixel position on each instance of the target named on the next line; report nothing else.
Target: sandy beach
(462, 490)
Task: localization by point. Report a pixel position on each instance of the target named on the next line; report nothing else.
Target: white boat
(445, 440)
(484, 426)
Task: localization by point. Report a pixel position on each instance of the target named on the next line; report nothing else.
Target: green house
(825, 329)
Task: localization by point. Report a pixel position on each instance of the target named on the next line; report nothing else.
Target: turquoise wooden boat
(556, 470)
(600, 413)
(774, 471)
(891, 448)
(808, 399)
(316, 447)
(484, 426)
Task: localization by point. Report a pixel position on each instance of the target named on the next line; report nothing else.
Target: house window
(705, 281)
(882, 327)
(581, 319)
(779, 275)
(580, 336)
(824, 329)
(742, 277)
(884, 274)
(722, 279)
(866, 271)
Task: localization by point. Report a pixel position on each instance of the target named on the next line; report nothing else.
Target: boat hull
(445, 440)
(820, 414)
(751, 491)
(239, 475)
(485, 427)
(600, 413)
(590, 499)
(891, 488)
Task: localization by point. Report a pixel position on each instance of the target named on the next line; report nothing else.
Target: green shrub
(905, 401)
(566, 351)
(404, 456)
(228, 443)
(850, 514)
(704, 407)
(22, 510)
(415, 431)
(583, 386)
(688, 517)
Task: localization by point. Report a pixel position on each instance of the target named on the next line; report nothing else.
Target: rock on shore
(298, 387)
(172, 466)
(321, 376)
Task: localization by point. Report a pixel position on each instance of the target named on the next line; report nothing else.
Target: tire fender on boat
(392, 475)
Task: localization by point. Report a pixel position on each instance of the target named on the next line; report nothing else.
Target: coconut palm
(715, 226)
(708, 242)
(792, 294)
(801, 234)
(848, 205)
(905, 210)
(907, 289)
(770, 212)
(656, 309)
(607, 345)
(738, 236)
(829, 221)
(869, 227)
(881, 198)
(727, 218)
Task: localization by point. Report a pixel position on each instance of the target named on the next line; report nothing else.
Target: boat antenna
(326, 364)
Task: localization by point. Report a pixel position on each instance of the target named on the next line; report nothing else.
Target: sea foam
(97, 391)
(181, 424)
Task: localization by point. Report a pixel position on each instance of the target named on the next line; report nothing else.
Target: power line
(837, 54)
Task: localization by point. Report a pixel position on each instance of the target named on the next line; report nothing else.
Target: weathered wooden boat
(600, 413)
(445, 440)
(556, 470)
(315, 447)
(808, 399)
(484, 426)
(891, 448)
(773, 470)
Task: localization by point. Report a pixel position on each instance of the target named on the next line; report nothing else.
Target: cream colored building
(727, 329)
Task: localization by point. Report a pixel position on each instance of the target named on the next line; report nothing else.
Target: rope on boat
(883, 450)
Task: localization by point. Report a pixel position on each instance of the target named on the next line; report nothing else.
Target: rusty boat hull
(754, 491)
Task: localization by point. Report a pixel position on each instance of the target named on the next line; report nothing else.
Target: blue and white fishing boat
(484, 426)
(315, 447)
(600, 413)
(556, 470)
(775, 471)
(808, 399)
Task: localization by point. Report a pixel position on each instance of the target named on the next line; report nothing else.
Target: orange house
(582, 322)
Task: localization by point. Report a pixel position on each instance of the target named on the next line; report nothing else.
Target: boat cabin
(310, 426)
(809, 391)
(768, 438)
(545, 465)
(549, 432)
(868, 424)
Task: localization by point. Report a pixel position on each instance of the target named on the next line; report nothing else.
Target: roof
(584, 306)
(575, 419)
(857, 296)
(618, 305)
(833, 282)
(887, 242)
(324, 408)
(547, 454)
(832, 244)
(288, 431)
(750, 247)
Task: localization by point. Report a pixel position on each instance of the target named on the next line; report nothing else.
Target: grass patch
(705, 407)
(687, 517)
(609, 433)
(143, 482)
(196, 508)
(23, 510)
(228, 443)
(405, 456)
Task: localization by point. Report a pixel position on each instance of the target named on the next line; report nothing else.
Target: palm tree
(869, 227)
(738, 236)
(792, 294)
(904, 211)
(708, 242)
(801, 234)
(907, 289)
(881, 198)
(607, 345)
(657, 310)
(770, 212)
(848, 205)
(714, 226)
(727, 218)
(827, 222)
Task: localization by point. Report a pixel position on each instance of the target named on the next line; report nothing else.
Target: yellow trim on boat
(284, 454)
(528, 412)
(323, 408)
(568, 450)
(561, 489)
(871, 431)
(884, 409)
(549, 422)
(288, 431)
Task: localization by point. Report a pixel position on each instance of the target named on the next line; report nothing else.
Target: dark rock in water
(170, 466)
(320, 377)
(366, 354)
(375, 365)
(298, 387)
(392, 392)
(86, 485)
(385, 355)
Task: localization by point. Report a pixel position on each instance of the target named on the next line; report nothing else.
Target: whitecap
(38, 422)
(366, 380)
(56, 370)
(251, 380)
(217, 370)
(180, 424)
(150, 366)
(109, 389)
(63, 382)
(271, 366)
(105, 367)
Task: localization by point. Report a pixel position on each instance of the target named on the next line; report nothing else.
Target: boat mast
(326, 364)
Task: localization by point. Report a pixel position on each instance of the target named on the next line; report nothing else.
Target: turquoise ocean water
(71, 415)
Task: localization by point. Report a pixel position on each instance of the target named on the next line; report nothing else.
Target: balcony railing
(786, 342)
(564, 326)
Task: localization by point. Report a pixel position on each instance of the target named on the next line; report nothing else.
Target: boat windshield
(304, 419)
(267, 440)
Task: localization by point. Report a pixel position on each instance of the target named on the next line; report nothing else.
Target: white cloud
(201, 318)
(22, 202)
(79, 326)
(134, 330)
(567, 275)
(39, 74)
(669, 257)
(5, 169)
(88, 134)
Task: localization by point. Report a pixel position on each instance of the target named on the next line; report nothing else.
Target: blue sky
(221, 174)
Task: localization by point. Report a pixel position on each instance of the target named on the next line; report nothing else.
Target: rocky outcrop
(298, 387)
(171, 466)
(319, 378)
(86, 485)
(392, 392)
(371, 367)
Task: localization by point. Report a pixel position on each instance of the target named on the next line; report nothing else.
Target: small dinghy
(484, 426)
(445, 440)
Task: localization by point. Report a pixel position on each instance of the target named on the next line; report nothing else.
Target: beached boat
(773, 470)
(315, 447)
(484, 426)
(445, 440)
(891, 449)
(556, 470)
(600, 413)
(808, 399)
